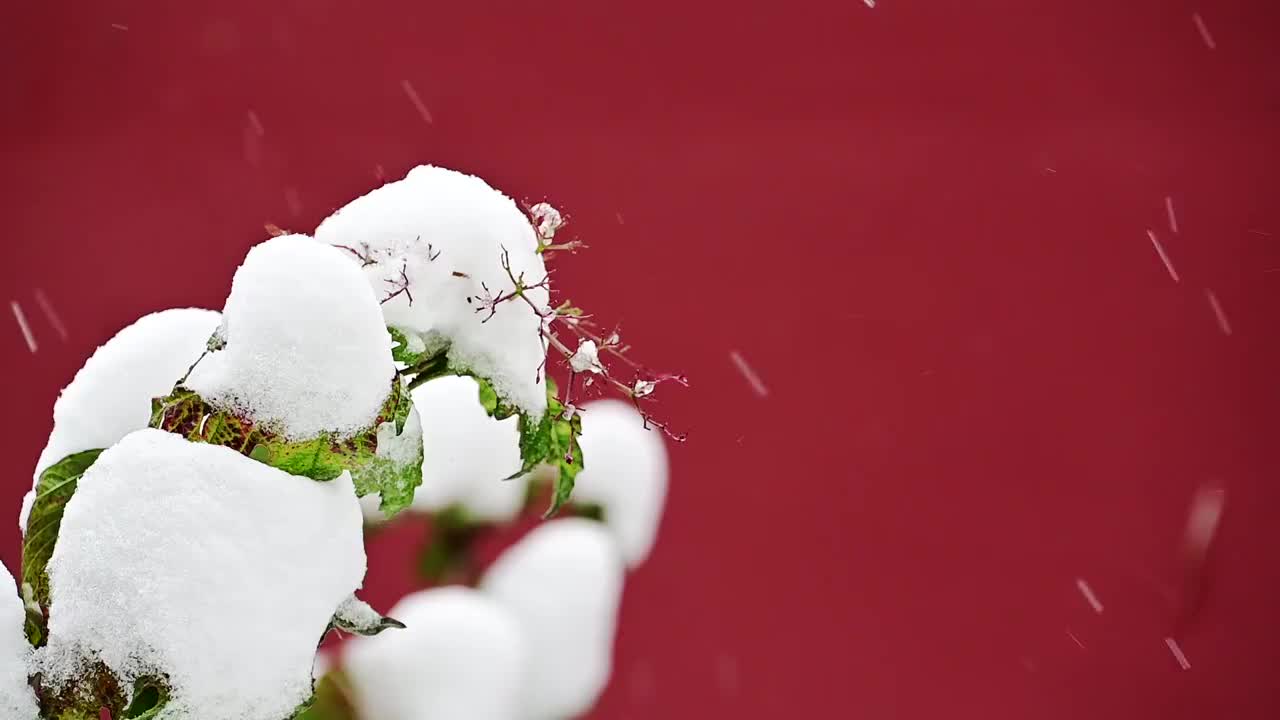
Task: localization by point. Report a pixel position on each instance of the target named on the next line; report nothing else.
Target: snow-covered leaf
(323, 457)
(359, 618)
(35, 624)
(185, 413)
(53, 491)
(432, 243)
(408, 347)
(192, 566)
(305, 351)
(586, 358)
(98, 687)
(111, 394)
(394, 471)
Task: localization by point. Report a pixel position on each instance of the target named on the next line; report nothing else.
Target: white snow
(420, 106)
(1178, 654)
(16, 699)
(586, 358)
(1204, 31)
(643, 387)
(1164, 256)
(464, 224)
(460, 657)
(370, 507)
(749, 373)
(1089, 595)
(322, 664)
(465, 454)
(24, 512)
(625, 472)
(110, 396)
(414, 344)
(306, 348)
(563, 582)
(193, 560)
(548, 219)
(403, 451)
(21, 317)
(1221, 316)
(403, 448)
(357, 613)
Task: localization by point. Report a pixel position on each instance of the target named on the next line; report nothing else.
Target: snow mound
(194, 561)
(461, 657)
(110, 396)
(16, 699)
(370, 507)
(625, 473)
(466, 455)
(563, 583)
(307, 351)
(443, 233)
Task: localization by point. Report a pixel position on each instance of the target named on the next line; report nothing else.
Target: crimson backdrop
(924, 225)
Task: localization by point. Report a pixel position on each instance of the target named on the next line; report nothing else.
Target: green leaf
(488, 397)
(34, 623)
(357, 617)
(403, 351)
(554, 440)
(498, 408)
(185, 413)
(395, 482)
(549, 439)
(149, 697)
(395, 475)
(53, 491)
(394, 469)
(568, 459)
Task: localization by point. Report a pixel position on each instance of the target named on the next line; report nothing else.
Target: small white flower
(643, 387)
(587, 358)
(548, 220)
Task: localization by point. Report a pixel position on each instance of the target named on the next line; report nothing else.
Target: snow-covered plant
(194, 527)
(542, 618)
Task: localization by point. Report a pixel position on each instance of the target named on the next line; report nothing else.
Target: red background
(923, 224)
